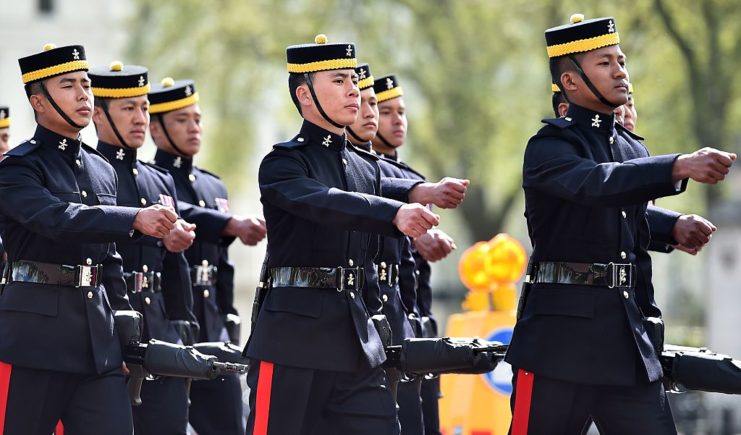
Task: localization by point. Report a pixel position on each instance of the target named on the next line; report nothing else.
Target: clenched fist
(181, 237)
(693, 232)
(707, 165)
(434, 245)
(249, 230)
(155, 220)
(446, 193)
(414, 220)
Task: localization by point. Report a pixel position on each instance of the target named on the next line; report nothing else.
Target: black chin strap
(590, 85)
(59, 109)
(307, 77)
(104, 106)
(161, 118)
(355, 136)
(383, 139)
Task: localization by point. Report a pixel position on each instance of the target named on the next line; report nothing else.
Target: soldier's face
(4, 140)
(605, 67)
(131, 117)
(366, 124)
(631, 115)
(338, 94)
(393, 121)
(72, 94)
(184, 127)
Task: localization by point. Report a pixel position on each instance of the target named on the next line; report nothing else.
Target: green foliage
(474, 71)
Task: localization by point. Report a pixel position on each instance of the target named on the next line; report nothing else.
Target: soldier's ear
(38, 103)
(304, 95)
(568, 80)
(98, 115)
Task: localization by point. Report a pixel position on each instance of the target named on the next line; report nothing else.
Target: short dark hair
(562, 64)
(294, 81)
(33, 88)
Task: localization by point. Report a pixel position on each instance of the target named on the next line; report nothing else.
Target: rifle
(159, 358)
(700, 369)
(445, 355)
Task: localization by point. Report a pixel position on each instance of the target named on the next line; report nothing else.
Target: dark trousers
(216, 406)
(410, 407)
(550, 407)
(298, 401)
(430, 405)
(33, 401)
(164, 408)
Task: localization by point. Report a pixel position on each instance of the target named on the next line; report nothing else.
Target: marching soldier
(216, 406)
(582, 346)
(315, 354)
(156, 272)
(669, 229)
(61, 356)
(432, 246)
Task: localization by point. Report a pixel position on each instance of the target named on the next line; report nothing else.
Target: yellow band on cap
(323, 65)
(5, 122)
(555, 88)
(121, 92)
(174, 105)
(583, 45)
(365, 83)
(62, 68)
(391, 93)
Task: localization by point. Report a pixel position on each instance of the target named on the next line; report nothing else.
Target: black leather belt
(136, 282)
(338, 278)
(388, 274)
(611, 275)
(204, 274)
(54, 274)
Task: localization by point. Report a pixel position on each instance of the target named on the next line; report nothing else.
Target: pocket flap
(302, 301)
(563, 300)
(30, 298)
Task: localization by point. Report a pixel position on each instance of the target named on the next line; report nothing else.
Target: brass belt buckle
(86, 276)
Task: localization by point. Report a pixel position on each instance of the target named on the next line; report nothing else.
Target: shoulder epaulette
(362, 152)
(152, 165)
(296, 142)
(622, 129)
(95, 152)
(564, 122)
(23, 149)
(208, 172)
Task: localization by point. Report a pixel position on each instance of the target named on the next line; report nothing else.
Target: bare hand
(124, 369)
(693, 231)
(414, 220)
(446, 193)
(434, 245)
(249, 230)
(707, 165)
(155, 220)
(181, 237)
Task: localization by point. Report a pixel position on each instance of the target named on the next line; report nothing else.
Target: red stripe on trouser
(59, 429)
(262, 399)
(5, 370)
(523, 396)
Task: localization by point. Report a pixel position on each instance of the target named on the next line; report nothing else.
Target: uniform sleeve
(285, 183)
(398, 188)
(661, 222)
(553, 166)
(113, 280)
(28, 202)
(176, 287)
(210, 223)
(225, 283)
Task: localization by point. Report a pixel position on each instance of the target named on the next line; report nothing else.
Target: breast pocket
(301, 301)
(564, 300)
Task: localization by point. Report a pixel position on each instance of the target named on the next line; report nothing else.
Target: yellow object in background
(479, 404)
